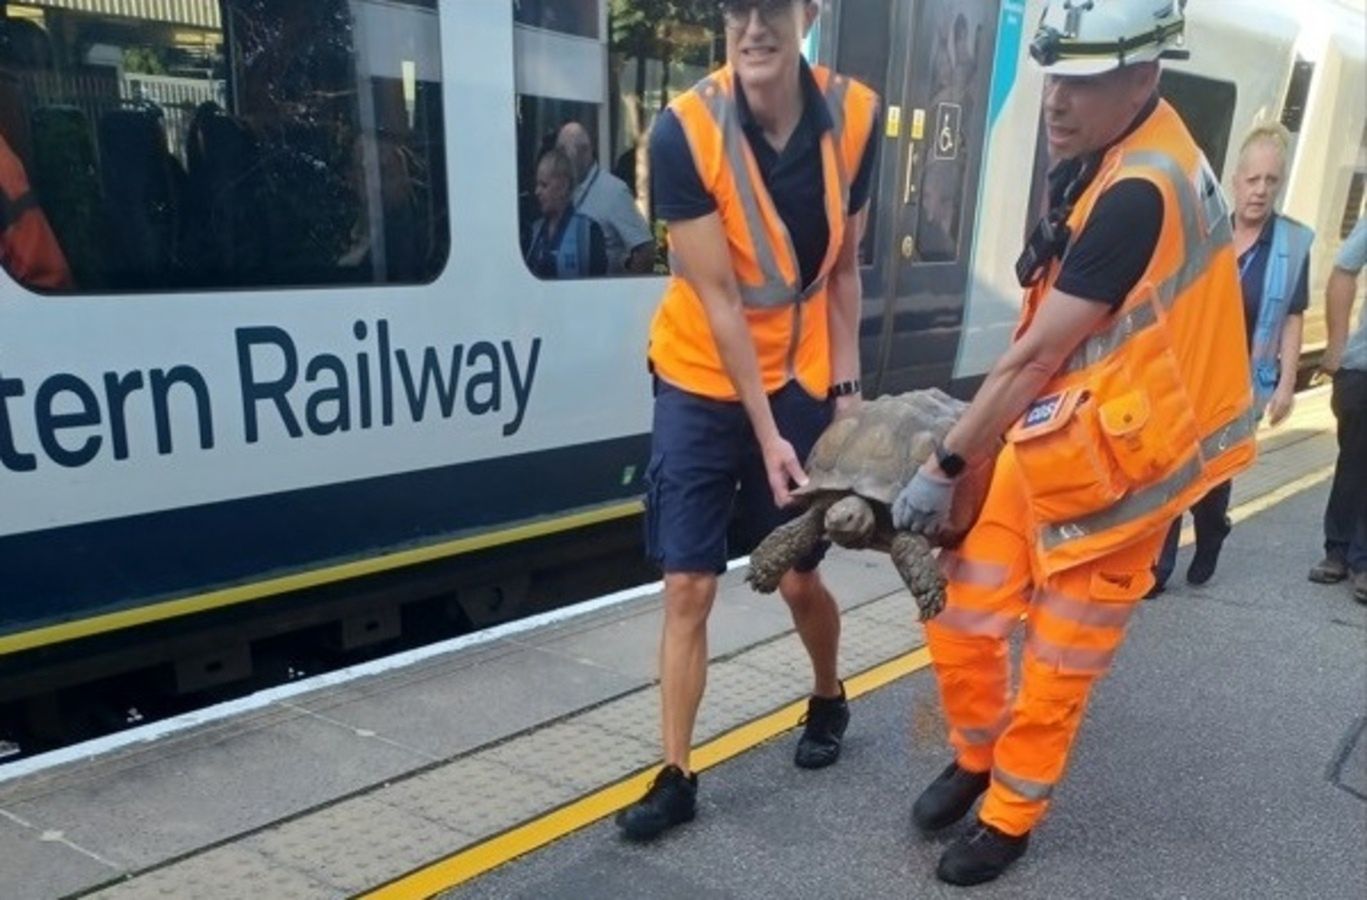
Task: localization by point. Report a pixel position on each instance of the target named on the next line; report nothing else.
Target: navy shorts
(705, 464)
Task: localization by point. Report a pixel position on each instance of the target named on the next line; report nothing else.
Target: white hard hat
(1088, 37)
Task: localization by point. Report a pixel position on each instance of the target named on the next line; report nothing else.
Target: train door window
(864, 51)
(1207, 107)
(612, 81)
(230, 143)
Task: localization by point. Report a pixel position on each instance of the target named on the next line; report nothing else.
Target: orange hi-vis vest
(28, 249)
(787, 321)
(1154, 408)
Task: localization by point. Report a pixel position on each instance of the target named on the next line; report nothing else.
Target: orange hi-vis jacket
(28, 249)
(1155, 408)
(787, 322)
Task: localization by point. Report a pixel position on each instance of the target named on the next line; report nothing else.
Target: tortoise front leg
(785, 546)
(919, 569)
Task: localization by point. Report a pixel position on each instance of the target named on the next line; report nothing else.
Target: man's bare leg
(817, 618)
(683, 660)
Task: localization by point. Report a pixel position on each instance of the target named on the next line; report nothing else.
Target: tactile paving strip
(575, 755)
(226, 873)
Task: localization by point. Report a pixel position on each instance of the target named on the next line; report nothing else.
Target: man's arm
(699, 246)
(845, 293)
(641, 260)
(1340, 293)
(634, 231)
(1061, 325)
(1338, 311)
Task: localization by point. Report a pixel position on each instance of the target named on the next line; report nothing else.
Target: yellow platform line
(464, 865)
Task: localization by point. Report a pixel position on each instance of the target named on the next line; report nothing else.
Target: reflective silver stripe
(967, 571)
(980, 737)
(1080, 659)
(977, 622)
(1155, 496)
(1201, 241)
(1030, 790)
(836, 89)
(775, 291)
(1102, 345)
(1230, 435)
(1093, 613)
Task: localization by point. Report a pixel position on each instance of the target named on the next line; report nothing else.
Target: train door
(935, 114)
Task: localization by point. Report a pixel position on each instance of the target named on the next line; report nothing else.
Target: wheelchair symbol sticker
(947, 117)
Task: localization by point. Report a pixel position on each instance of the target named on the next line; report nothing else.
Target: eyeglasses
(737, 12)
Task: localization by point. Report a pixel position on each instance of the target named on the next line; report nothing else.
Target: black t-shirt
(1252, 274)
(1107, 259)
(541, 254)
(794, 177)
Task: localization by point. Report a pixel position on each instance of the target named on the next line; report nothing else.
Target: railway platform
(1223, 756)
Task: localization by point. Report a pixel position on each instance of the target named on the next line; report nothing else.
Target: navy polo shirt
(794, 177)
(1253, 273)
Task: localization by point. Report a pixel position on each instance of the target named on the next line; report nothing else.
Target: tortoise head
(850, 521)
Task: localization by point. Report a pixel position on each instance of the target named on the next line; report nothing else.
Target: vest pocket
(1149, 429)
(1064, 463)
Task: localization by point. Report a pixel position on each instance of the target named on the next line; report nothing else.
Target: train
(303, 376)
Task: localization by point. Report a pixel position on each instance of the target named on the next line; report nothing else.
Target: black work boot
(948, 798)
(980, 855)
(1207, 554)
(671, 800)
(826, 720)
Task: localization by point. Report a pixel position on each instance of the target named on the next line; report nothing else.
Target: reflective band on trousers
(971, 572)
(1080, 659)
(981, 737)
(1154, 497)
(977, 622)
(1030, 790)
(776, 290)
(1200, 246)
(1084, 612)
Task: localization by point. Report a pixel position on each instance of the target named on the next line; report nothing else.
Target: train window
(578, 17)
(597, 99)
(1207, 107)
(863, 50)
(182, 144)
(1297, 91)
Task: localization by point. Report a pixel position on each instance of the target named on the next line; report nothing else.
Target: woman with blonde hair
(1274, 267)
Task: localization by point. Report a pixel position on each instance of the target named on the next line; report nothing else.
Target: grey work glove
(923, 505)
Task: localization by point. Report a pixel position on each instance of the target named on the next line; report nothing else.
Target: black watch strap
(844, 389)
(952, 464)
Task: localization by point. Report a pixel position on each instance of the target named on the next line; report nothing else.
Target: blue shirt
(794, 177)
(1352, 257)
(1253, 273)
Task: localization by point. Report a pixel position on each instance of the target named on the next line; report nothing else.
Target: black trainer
(1207, 555)
(826, 720)
(671, 800)
(980, 855)
(948, 798)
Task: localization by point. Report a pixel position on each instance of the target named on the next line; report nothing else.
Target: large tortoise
(856, 470)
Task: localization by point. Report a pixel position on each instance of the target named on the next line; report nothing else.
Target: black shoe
(671, 800)
(1155, 591)
(826, 720)
(948, 798)
(1330, 570)
(1205, 558)
(981, 855)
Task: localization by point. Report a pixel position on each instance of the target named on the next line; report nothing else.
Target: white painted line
(156, 730)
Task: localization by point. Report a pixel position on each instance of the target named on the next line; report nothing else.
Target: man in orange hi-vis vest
(1124, 397)
(762, 172)
(28, 250)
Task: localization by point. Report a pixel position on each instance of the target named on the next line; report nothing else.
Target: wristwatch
(844, 389)
(952, 464)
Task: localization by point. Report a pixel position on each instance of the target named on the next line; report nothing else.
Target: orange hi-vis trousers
(1075, 622)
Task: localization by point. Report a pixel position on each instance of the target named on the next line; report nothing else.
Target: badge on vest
(1046, 415)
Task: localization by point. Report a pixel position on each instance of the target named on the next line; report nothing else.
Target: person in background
(1345, 517)
(29, 251)
(563, 243)
(606, 199)
(1274, 272)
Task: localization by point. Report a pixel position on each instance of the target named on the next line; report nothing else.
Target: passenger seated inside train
(606, 199)
(563, 243)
